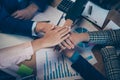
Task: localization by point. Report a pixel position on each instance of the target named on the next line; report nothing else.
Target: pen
(47, 21)
(60, 19)
(90, 10)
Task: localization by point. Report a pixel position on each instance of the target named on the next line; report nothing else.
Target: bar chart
(61, 70)
(54, 66)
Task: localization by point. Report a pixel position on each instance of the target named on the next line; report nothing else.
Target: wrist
(39, 27)
(83, 37)
(37, 44)
(32, 7)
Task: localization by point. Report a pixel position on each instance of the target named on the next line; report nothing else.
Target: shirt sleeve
(34, 34)
(106, 37)
(86, 70)
(74, 57)
(14, 55)
(33, 29)
(111, 63)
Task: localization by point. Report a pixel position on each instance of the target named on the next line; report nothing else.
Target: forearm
(16, 26)
(32, 7)
(85, 69)
(38, 44)
(42, 4)
(15, 54)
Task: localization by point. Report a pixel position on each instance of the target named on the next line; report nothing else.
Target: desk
(113, 15)
(15, 39)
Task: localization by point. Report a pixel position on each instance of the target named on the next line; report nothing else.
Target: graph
(61, 69)
(53, 68)
(52, 65)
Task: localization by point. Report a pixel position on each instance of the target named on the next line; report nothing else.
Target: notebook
(95, 14)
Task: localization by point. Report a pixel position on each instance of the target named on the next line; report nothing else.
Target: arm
(107, 37)
(83, 67)
(22, 27)
(42, 4)
(111, 62)
(14, 55)
(11, 25)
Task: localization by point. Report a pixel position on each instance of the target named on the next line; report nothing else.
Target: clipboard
(95, 14)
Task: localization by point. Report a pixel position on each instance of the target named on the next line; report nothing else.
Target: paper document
(51, 14)
(111, 25)
(95, 14)
(54, 66)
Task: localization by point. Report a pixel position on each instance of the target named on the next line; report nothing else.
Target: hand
(68, 53)
(51, 38)
(44, 27)
(26, 13)
(74, 39)
(66, 44)
(56, 36)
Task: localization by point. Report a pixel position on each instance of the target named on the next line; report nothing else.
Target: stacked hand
(44, 27)
(51, 38)
(68, 45)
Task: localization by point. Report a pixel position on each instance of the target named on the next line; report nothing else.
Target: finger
(65, 37)
(64, 33)
(62, 47)
(52, 26)
(17, 16)
(59, 29)
(64, 30)
(68, 41)
(70, 38)
(66, 45)
(14, 14)
(22, 17)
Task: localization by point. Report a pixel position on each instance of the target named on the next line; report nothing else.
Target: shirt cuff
(33, 29)
(39, 34)
(74, 57)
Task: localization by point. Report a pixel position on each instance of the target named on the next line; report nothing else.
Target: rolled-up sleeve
(14, 55)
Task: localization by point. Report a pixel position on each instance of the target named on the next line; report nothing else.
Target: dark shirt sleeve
(75, 11)
(106, 37)
(9, 24)
(86, 70)
(42, 4)
(111, 63)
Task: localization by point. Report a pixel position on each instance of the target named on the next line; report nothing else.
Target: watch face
(6, 76)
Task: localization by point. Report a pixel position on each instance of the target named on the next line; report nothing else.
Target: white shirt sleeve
(39, 34)
(33, 29)
(14, 55)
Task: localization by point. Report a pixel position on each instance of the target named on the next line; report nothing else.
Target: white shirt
(14, 55)
(33, 29)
